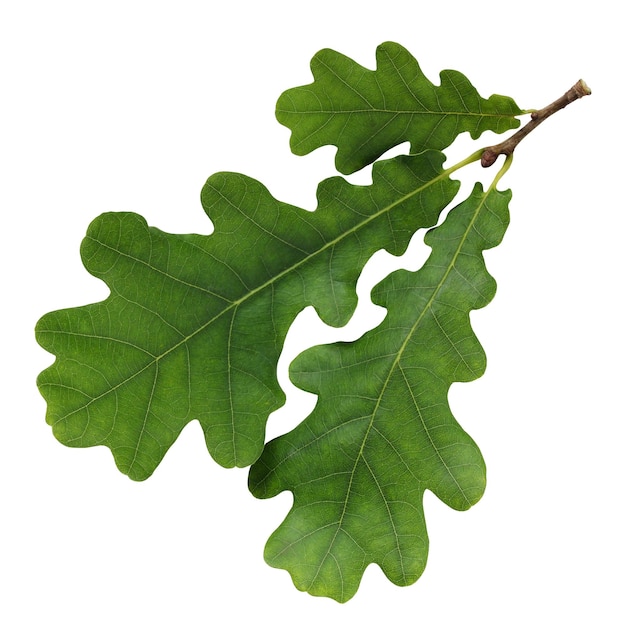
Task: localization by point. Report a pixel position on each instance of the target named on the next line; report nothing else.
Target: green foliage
(365, 112)
(382, 431)
(194, 325)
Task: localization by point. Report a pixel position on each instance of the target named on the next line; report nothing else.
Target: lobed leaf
(366, 112)
(194, 324)
(382, 431)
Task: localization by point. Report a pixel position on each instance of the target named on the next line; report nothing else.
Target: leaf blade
(365, 113)
(194, 324)
(382, 431)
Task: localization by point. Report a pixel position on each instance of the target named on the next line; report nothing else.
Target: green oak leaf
(194, 324)
(382, 431)
(366, 112)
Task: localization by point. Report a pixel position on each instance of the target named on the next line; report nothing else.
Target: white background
(131, 106)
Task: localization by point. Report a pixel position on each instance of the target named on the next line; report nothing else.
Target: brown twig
(491, 153)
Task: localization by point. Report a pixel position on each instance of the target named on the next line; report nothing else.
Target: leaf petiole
(501, 172)
(472, 158)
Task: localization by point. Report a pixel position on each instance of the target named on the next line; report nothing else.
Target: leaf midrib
(397, 112)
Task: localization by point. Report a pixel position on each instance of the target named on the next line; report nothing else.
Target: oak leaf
(194, 325)
(366, 112)
(382, 431)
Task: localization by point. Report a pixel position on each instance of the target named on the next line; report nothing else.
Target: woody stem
(491, 153)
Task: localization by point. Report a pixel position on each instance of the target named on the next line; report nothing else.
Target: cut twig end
(582, 88)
